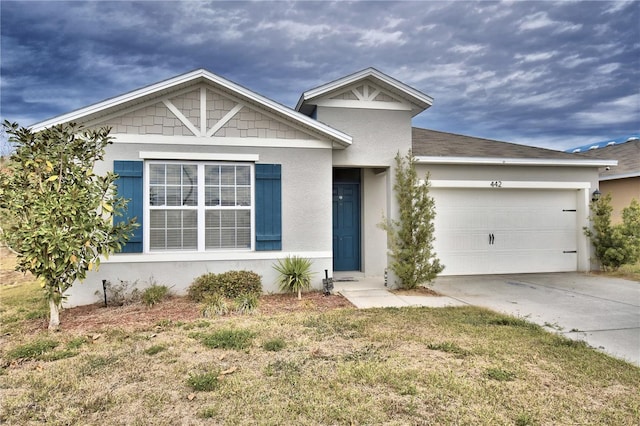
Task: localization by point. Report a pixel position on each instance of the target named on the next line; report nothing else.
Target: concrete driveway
(604, 312)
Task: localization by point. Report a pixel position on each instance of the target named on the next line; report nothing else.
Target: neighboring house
(222, 178)
(621, 181)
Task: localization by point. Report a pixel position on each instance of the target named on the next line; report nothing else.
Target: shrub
(246, 303)
(411, 235)
(214, 304)
(154, 294)
(229, 284)
(615, 245)
(295, 274)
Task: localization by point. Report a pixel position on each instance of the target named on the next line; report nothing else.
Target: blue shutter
(268, 207)
(130, 187)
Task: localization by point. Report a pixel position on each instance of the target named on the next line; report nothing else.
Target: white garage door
(497, 231)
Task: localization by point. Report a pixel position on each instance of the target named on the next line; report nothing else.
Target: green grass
(460, 365)
(226, 339)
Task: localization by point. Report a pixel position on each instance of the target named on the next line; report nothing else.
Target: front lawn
(308, 366)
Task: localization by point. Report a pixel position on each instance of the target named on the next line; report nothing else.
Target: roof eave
(620, 176)
(514, 161)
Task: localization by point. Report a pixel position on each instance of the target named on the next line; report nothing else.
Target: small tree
(411, 237)
(615, 245)
(62, 212)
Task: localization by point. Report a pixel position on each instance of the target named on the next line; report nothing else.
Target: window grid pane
(226, 205)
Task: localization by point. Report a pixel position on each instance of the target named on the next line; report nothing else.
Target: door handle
(492, 239)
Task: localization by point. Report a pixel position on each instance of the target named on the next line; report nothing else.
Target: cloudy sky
(551, 74)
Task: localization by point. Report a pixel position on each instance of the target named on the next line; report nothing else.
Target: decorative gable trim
(160, 92)
(417, 100)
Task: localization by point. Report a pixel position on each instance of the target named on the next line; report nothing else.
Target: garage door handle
(492, 239)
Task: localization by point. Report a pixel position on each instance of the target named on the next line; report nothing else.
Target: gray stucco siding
(306, 224)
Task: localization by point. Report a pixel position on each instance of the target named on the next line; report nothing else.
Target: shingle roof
(432, 143)
(627, 154)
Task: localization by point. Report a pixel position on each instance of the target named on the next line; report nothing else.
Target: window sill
(210, 256)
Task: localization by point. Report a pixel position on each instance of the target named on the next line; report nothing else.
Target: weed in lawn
(561, 341)
(32, 350)
(95, 363)
(500, 374)
(448, 347)
(283, 368)
(208, 413)
(367, 353)
(76, 343)
(330, 324)
(274, 345)
(204, 382)
(155, 349)
(513, 322)
(524, 419)
(226, 339)
(57, 355)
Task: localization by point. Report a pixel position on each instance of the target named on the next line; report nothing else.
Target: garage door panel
(533, 230)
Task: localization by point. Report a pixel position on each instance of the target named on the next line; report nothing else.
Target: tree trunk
(299, 294)
(54, 315)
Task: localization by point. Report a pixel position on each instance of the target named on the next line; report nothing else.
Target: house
(621, 181)
(222, 178)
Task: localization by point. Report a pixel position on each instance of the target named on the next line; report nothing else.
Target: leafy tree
(615, 245)
(411, 236)
(62, 212)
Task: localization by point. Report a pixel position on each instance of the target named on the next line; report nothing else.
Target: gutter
(496, 161)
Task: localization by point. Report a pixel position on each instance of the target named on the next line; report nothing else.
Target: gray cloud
(549, 74)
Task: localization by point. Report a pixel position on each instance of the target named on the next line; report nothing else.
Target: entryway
(346, 219)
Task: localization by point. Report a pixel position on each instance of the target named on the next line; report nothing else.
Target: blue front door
(346, 227)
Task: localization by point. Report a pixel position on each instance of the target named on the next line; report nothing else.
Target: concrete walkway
(371, 293)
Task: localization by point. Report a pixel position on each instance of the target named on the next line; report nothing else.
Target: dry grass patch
(392, 366)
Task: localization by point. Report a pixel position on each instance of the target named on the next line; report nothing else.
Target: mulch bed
(138, 316)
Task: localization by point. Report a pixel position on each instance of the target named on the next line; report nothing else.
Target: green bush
(154, 294)
(229, 284)
(615, 245)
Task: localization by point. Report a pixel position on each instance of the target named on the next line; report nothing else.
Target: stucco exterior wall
(306, 224)
(622, 192)
(375, 206)
(378, 135)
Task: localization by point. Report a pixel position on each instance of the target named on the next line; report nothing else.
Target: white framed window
(199, 206)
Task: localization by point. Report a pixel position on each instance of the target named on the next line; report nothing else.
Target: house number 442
(496, 184)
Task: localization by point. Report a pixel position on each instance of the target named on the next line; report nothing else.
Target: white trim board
(221, 141)
(215, 156)
(211, 256)
(515, 161)
(507, 184)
